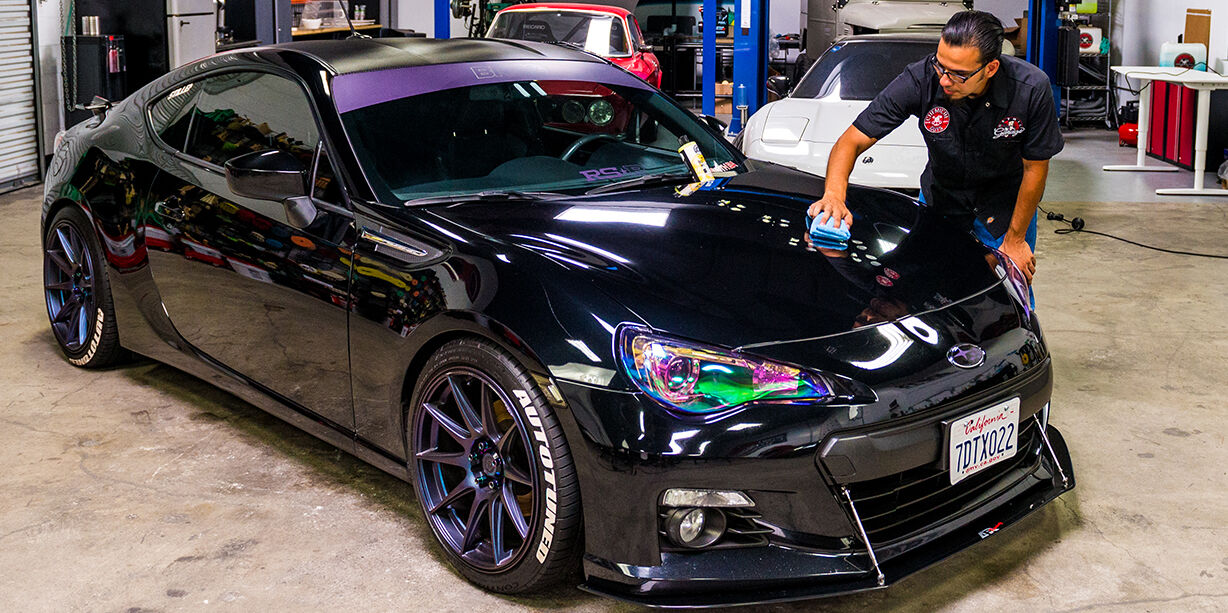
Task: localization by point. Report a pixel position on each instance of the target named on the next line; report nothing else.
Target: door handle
(169, 210)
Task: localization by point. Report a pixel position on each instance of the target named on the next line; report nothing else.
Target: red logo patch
(1009, 127)
(1085, 41)
(1185, 60)
(937, 120)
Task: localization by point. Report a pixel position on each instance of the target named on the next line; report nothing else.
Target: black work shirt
(976, 145)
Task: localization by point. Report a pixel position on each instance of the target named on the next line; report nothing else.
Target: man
(989, 124)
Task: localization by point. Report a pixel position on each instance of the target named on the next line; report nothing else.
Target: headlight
(701, 380)
(573, 111)
(601, 112)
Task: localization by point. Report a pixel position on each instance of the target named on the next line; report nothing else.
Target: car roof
(366, 54)
(593, 8)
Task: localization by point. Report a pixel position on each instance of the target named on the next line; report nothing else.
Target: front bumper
(777, 573)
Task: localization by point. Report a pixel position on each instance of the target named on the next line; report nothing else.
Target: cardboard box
(1018, 35)
(1198, 27)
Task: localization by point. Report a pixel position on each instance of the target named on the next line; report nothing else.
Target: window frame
(324, 143)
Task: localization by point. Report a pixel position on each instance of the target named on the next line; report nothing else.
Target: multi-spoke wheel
(77, 293)
(491, 469)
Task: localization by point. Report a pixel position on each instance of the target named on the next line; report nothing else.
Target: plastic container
(1089, 39)
(1184, 55)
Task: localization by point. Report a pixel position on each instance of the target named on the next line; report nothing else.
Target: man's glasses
(956, 76)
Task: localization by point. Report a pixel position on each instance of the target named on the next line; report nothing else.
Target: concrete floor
(142, 489)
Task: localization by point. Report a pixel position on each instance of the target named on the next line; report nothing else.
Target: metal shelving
(1095, 76)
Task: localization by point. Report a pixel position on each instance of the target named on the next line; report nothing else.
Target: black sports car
(484, 267)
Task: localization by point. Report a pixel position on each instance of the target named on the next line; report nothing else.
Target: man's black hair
(975, 29)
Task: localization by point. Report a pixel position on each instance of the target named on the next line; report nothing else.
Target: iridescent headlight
(699, 379)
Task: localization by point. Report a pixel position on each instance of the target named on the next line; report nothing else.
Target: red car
(585, 25)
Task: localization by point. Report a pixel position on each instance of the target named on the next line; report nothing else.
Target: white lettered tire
(492, 469)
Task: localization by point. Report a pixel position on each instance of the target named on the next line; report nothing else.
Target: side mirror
(779, 84)
(273, 175)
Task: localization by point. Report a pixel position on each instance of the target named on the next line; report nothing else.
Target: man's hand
(1021, 254)
(844, 154)
(831, 206)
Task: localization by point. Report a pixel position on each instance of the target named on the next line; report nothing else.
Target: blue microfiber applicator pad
(828, 233)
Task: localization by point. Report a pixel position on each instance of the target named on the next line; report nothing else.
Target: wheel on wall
(77, 292)
(492, 470)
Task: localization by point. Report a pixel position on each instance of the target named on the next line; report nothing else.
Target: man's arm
(840, 163)
(1035, 172)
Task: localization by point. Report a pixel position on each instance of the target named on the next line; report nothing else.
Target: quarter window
(242, 112)
(171, 115)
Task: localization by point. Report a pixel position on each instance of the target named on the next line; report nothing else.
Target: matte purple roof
(362, 89)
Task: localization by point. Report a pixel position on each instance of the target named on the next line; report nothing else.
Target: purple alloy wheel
(475, 470)
(68, 281)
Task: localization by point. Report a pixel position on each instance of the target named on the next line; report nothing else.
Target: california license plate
(983, 439)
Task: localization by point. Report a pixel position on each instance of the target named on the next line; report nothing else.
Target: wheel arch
(60, 204)
(447, 327)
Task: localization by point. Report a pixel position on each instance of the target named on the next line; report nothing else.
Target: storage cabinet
(1174, 113)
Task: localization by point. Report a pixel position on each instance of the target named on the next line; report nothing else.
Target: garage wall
(1144, 25)
(1005, 10)
(49, 20)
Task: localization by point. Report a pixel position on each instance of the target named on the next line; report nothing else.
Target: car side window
(242, 112)
(171, 115)
(326, 188)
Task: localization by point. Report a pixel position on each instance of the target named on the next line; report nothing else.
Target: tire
(77, 292)
(461, 472)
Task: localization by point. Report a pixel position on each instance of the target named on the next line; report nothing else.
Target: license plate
(983, 439)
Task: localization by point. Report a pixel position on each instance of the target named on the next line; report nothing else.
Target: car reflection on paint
(578, 358)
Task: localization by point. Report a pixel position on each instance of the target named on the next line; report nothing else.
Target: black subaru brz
(483, 267)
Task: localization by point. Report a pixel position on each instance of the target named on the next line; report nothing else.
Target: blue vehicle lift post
(443, 19)
(709, 76)
(1042, 42)
(750, 59)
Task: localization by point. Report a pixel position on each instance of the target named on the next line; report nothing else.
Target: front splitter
(723, 593)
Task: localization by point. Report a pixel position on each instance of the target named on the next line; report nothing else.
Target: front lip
(800, 581)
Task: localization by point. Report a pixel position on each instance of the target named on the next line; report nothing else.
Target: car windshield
(858, 71)
(600, 34)
(526, 135)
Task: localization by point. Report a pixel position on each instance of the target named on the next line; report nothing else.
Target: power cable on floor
(1078, 225)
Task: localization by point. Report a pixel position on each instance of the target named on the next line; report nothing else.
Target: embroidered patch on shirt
(1009, 128)
(937, 120)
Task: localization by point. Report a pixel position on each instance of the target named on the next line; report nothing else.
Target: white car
(799, 130)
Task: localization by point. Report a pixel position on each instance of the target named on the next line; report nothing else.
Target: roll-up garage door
(18, 122)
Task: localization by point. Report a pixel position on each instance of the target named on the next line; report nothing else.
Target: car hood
(823, 121)
(731, 265)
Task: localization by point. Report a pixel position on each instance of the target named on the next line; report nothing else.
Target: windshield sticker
(358, 90)
(610, 172)
(484, 72)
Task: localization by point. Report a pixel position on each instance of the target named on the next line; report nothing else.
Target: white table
(1205, 83)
